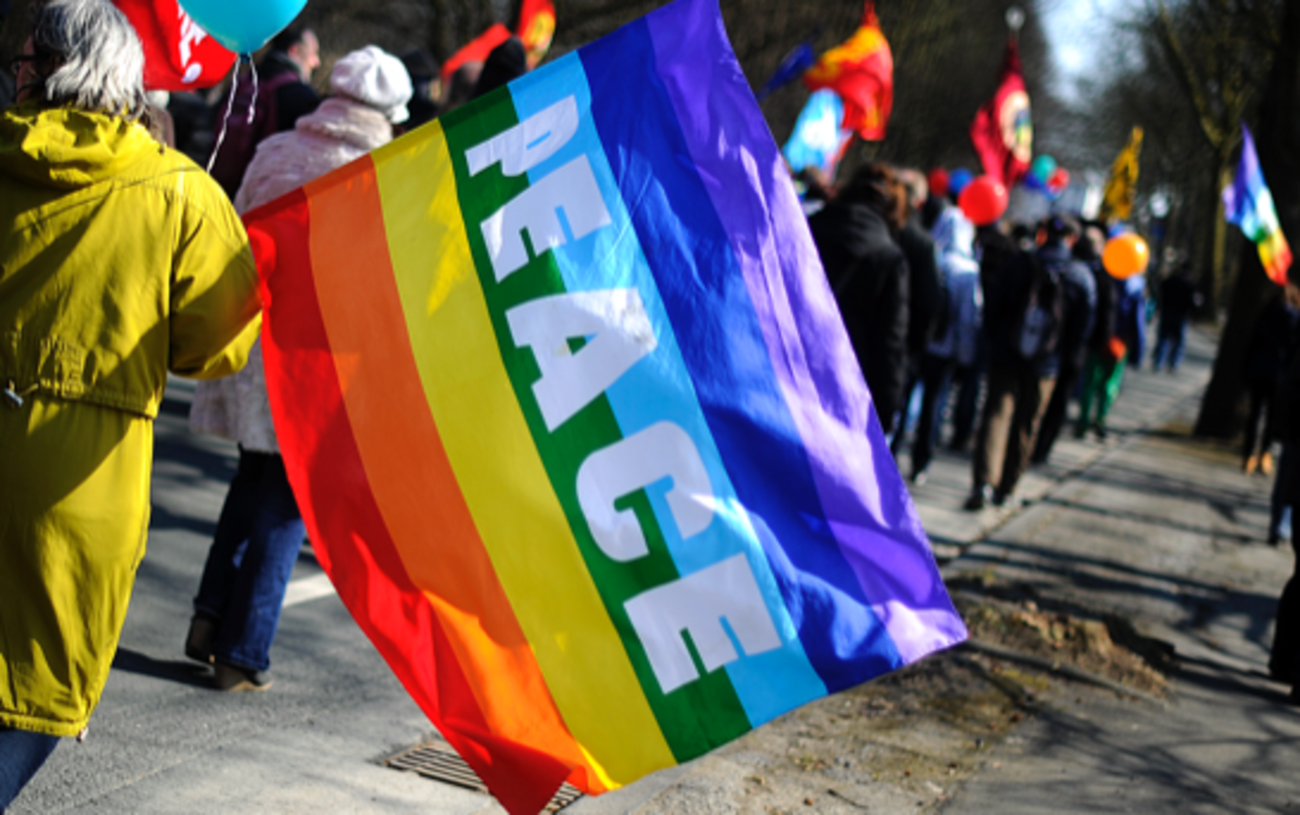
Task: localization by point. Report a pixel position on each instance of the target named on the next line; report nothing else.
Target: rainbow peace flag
(1249, 204)
(575, 425)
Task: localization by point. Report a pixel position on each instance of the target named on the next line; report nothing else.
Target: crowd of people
(1027, 318)
(1024, 317)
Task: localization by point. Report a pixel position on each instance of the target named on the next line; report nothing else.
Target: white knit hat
(374, 77)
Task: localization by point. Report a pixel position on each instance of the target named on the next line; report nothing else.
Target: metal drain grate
(436, 760)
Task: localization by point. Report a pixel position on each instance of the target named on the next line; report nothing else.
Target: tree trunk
(1213, 283)
(1278, 142)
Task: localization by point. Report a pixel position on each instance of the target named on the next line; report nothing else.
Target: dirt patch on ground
(1005, 615)
(900, 743)
(906, 741)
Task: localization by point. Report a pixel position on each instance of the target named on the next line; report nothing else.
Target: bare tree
(1220, 52)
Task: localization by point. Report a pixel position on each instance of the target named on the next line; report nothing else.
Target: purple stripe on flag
(870, 511)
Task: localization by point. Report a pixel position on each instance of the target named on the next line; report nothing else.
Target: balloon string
(252, 67)
(225, 119)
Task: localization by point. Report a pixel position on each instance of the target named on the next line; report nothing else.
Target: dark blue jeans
(22, 753)
(936, 375)
(258, 537)
(1279, 515)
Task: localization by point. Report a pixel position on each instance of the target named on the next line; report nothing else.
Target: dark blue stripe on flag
(722, 343)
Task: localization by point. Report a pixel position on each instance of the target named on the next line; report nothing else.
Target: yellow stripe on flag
(500, 472)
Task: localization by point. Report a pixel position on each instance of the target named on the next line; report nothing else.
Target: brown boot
(232, 678)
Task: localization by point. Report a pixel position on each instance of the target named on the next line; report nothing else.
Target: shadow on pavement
(182, 671)
(1156, 520)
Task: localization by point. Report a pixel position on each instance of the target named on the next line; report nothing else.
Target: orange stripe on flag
(407, 465)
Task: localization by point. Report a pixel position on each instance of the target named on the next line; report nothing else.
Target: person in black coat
(926, 296)
(1086, 285)
(507, 62)
(1039, 311)
(1270, 342)
(868, 273)
(1178, 299)
(1284, 659)
(926, 300)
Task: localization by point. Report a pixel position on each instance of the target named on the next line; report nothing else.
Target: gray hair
(88, 56)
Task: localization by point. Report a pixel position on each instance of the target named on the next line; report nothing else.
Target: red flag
(178, 54)
(861, 71)
(536, 29)
(476, 50)
(1002, 132)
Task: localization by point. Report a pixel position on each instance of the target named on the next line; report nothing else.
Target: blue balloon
(958, 180)
(243, 26)
(1042, 168)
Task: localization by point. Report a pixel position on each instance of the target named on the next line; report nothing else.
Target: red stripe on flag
(348, 529)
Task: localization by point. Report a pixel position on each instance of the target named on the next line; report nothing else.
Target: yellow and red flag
(536, 29)
(861, 71)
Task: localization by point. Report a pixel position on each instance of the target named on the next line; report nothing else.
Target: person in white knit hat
(260, 531)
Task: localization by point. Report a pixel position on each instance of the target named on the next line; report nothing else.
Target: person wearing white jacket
(955, 344)
(260, 530)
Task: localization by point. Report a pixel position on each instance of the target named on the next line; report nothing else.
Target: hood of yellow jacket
(69, 148)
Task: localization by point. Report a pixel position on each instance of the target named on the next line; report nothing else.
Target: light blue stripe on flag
(659, 388)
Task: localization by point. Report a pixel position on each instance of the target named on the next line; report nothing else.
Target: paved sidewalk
(1168, 533)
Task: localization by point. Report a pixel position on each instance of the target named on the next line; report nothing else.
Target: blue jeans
(258, 538)
(936, 375)
(1170, 338)
(22, 753)
(1279, 516)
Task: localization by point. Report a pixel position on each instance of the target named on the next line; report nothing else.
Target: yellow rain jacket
(119, 260)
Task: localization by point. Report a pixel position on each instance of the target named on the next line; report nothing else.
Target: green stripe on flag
(702, 714)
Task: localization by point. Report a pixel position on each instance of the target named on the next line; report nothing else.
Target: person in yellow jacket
(119, 261)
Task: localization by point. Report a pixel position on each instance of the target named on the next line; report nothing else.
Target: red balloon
(1059, 180)
(938, 181)
(984, 200)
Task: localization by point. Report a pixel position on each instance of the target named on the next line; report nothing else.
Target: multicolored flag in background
(861, 72)
(575, 425)
(1121, 185)
(818, 140)
(1248, 204)
(1003, 132)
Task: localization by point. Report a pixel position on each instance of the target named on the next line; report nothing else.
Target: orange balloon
(1125, 255)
